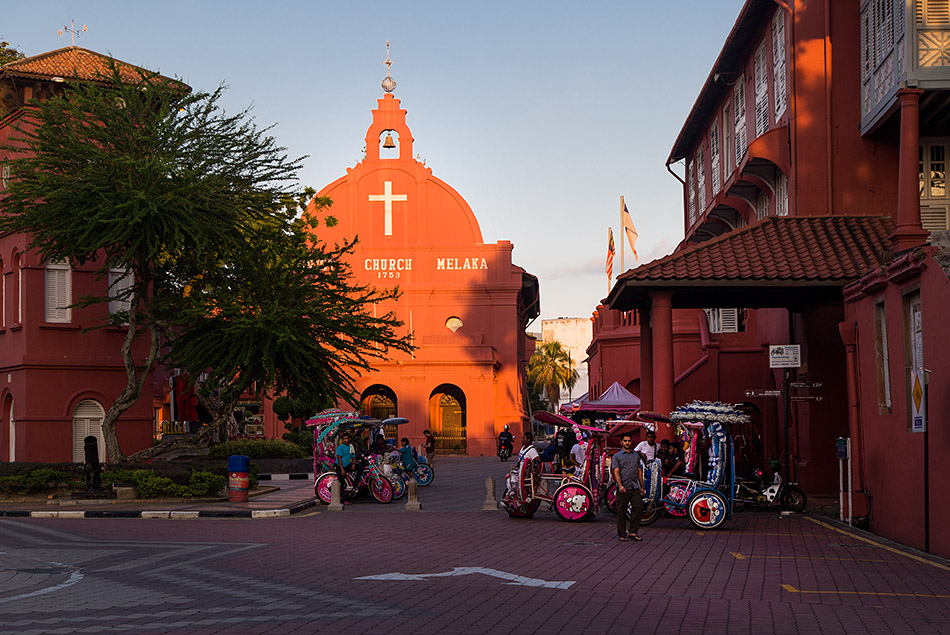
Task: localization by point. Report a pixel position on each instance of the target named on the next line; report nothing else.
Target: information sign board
(785, 356)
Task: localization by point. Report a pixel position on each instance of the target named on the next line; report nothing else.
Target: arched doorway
(447, 419)
(87, 421)
(379, 402)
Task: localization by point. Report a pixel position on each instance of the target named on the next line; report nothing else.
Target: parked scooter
(769, 492)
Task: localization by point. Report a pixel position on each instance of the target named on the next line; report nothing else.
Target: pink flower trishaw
(574, 496)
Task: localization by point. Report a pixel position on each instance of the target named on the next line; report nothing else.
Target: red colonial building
(814, 171)
(56, 381)
(463, 303)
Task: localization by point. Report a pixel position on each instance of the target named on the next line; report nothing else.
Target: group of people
(671, 455)
(351, 453)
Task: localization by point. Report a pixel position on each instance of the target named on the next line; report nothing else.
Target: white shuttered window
(58, 291)
(87, 421)
(779, 78)
(761, 90)
(714, 158)
(723, 320)
(738, 109)
(700, 181)
(120, 282)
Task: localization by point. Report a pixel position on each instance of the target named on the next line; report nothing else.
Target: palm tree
(551, 367)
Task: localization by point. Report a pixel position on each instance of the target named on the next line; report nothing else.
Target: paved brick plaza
(477, 572)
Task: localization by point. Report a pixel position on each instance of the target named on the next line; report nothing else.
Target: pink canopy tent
(615, 400)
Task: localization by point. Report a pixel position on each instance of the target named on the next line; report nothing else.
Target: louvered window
(58, 291)
(738, 106)
(691, 194)
(723, 320)
(700, 181)
(727, 163)
(87, 421)
(779, 78)
(883, 357)
(120, 285)
(781, 194)
(18, 289)
(761, 90)
(714, 158)
(933, 12)
(883, 29)
(932, 177)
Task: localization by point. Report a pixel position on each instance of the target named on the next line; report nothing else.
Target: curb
(283, 512)
(304, 476)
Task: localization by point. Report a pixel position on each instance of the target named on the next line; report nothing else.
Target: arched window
(58, 291)
(3, 299)
(87, 421)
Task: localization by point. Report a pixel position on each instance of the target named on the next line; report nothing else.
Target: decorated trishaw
(574, 495)
(376, 476)
(705, 493)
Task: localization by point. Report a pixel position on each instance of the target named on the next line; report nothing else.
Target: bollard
(413, 504)
(335, 504)
(239, 467)
(490, 504)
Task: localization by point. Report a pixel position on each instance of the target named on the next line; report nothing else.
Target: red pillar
(909, 232)
(646, 360)
(663, 378)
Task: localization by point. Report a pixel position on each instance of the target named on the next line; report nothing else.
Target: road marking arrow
(516, 580)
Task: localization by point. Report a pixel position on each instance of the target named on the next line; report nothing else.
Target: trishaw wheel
(707, 509)
(573, 502)
(794, 499)
(424, 474)
(526, 510)
(651, 512)
(399, 486)
(382, 489)
(610, 498)
(321, 488)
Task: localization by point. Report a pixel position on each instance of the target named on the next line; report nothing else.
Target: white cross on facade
(387, 197)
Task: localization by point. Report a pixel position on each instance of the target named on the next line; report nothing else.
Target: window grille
(58, 292)
(781, 194)
(779, 78)
(714, 158)
(738, 102)
(761, 90)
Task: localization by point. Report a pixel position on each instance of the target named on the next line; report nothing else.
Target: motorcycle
(765, 492)
(505, 446)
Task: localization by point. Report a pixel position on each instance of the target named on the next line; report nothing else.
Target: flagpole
(609, 286)
(623, 232)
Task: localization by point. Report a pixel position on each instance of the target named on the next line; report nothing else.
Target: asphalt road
(452, 569)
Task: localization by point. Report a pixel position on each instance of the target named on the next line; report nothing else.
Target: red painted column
(646, 360)
(663, 378)
(909, 232)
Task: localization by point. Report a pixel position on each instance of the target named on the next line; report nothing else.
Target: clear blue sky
(540, 114)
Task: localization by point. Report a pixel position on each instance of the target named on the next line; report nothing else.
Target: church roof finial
(389, 84)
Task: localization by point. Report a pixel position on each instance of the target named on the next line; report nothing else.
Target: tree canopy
(551, 367)
(203, 210)
(8, 53)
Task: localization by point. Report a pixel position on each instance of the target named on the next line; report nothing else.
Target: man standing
(627, 473)
(429, 447)
(647, 449)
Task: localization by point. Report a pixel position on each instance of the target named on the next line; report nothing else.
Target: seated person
(379, 445)
(578, 454)
(406, 455)
(664, 455)
(345, 457)
(677, 460)
(549, 453)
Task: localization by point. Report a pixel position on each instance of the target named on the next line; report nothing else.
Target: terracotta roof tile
(819, 249)
(71, 62)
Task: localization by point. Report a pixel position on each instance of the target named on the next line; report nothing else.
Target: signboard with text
(785, 356)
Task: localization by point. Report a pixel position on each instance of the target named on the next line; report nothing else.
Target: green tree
(201, 209)
(551, 367)
(8, 53)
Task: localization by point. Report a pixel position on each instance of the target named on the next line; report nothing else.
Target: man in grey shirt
(628, 474)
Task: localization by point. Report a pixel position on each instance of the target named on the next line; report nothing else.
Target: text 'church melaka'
(464, 304)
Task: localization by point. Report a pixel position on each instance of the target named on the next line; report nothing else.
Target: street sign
(918, 402)
(761, 392)
(805, 397)
(805, 384)
(785, 356)
(841, 448)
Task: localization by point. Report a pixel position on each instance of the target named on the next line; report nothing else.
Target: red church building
(814, 171)
(464, 304)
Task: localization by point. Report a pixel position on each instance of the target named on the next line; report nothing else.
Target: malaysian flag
(610, 252)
